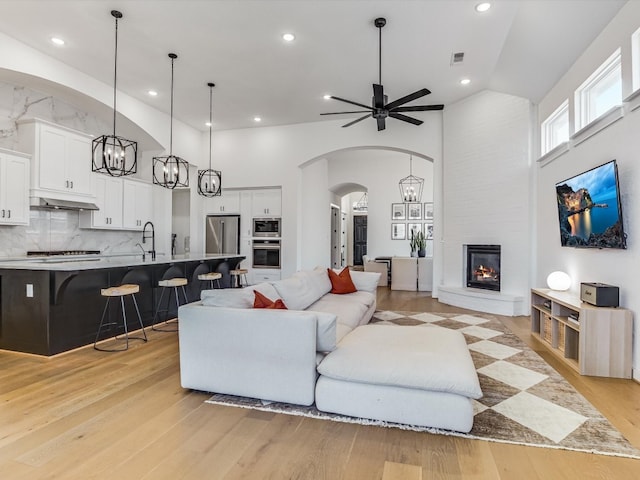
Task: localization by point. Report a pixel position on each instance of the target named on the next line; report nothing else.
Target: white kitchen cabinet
(266, 203)
(61, 160)
(14, 188)
(108, 191)
(227, 203)
(265, 275)
(137, 199)
(246, 215)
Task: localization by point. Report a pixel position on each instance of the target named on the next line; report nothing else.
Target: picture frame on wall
(413, 228)
(398, 231)
(398, 211)
(428, 211)
(428, 231)
(414, 211)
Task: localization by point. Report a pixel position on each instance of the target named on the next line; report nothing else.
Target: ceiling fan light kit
(210, 181)
(113, 155)
(171, 171)
(380, 109)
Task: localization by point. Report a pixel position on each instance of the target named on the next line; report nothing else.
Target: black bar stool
(172, 284)
(121, 291)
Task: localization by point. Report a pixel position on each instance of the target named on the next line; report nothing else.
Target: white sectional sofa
(321, 350)
(226, 346)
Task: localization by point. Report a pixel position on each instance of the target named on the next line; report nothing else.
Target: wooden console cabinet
(598, 343)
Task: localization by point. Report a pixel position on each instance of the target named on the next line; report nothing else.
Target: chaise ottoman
(420, 376)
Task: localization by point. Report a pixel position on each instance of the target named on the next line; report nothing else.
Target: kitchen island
(52, 305)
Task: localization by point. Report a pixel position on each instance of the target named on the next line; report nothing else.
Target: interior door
(359, 238)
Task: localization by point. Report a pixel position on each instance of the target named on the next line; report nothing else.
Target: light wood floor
(89, 414)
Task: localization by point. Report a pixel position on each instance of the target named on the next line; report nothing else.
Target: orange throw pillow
(341, 282)
(260, 301)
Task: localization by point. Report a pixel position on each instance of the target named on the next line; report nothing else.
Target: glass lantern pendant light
(170, 171)
(210, 181)
(114, 155)
(411, 186)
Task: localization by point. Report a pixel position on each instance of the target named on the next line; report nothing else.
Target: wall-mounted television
(589, 209)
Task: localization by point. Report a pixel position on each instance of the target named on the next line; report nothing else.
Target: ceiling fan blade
(419, 108)
(356, 121)
(404, 118)
(381, 123)
(378, 96)
(352, 103)
(340, 113)
(408, 98)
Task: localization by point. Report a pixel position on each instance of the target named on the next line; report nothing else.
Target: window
(555, 129)
(601, 91)
(635, 59)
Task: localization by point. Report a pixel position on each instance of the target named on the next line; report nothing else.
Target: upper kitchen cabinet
(137, 199)
(228, 202)
(61, 160)
(267, 203)
(108, 192)
(14, 188)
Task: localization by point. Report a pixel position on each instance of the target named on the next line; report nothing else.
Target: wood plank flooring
(95, 415)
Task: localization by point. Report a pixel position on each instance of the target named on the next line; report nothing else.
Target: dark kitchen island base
(47, 310)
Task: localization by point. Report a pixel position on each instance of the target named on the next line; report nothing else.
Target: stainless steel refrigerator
(222, 234)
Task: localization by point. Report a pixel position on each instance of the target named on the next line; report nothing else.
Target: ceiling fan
(380, 109)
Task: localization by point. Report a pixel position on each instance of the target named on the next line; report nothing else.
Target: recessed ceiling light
(57, 41)
(208, 124)
(288, 37)
(257, 119)
(483, 7)
(153, 93)
(465, 81)
(327, 97)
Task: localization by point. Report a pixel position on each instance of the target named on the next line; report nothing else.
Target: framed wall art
(398, 231)
(414, 211)
(428, 211)
(413, 229)
(398, 211)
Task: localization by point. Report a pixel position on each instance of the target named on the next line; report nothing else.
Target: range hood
(55, 204)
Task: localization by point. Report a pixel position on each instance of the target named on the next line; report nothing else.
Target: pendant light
(170, 171)
(114, 155)
(210, 181)
(411, 186)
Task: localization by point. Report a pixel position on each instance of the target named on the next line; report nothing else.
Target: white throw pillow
(317, 280)
(297, 292)
(365, 281)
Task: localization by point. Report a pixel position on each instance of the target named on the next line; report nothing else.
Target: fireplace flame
(485, 273)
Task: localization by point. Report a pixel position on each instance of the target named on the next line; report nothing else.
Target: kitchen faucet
(152, 237)
(144, 254)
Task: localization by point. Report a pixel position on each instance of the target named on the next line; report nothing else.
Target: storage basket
(546, 328)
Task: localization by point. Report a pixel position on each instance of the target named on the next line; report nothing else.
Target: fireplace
(483, 266)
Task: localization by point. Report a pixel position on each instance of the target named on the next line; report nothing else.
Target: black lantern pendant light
(411, 186)
(114, 155)
(210, 181)
(170, 171)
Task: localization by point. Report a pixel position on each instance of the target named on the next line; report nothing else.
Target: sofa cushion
(297, 292)
(316, 280)
(429, 358)
(341, 283)
(236, 297)
(348, 313)
(260, 301)
(326, 335)
(366, 281)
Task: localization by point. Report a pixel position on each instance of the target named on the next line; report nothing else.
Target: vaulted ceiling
(521, 47)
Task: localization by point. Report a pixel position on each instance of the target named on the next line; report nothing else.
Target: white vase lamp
(559, 281)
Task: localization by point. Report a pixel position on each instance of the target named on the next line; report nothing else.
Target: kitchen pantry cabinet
(14, 188)
(124, 204)
(266, 203)
(137, 198)
(61, 160)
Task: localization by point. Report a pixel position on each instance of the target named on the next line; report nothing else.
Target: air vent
(457, 58)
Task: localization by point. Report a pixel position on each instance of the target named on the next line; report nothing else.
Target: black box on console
(600, 294)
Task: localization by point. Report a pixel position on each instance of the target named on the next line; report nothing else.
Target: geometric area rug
(525, 401)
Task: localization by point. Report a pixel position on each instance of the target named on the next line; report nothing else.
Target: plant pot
(414, 254)
(422, 253)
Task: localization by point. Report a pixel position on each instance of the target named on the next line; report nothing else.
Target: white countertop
(95, 262)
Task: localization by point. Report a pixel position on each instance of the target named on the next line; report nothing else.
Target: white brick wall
(486, 193)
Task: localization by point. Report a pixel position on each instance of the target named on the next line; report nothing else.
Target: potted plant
(413, 244)
(421, 244)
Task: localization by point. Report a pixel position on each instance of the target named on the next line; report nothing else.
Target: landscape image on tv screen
(589, 209)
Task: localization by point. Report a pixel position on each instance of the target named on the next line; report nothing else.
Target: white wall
(486, 185)
(619, 141)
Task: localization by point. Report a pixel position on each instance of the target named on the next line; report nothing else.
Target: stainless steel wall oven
(266, 227)
(266, 253)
